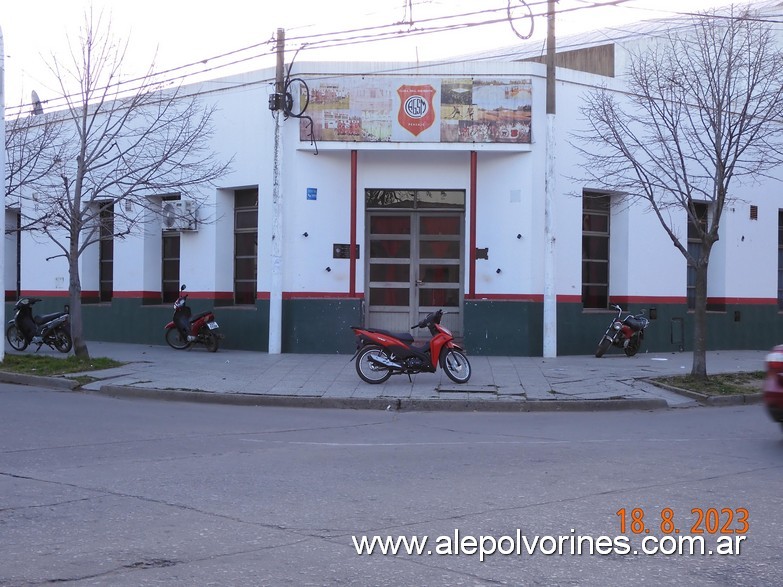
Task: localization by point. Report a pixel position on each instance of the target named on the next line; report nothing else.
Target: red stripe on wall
(505, 297)
(296, 295)
(627, 300)
(744, 301)
(210, 295)
(147, 295)
(197, 295)
(299, 295)
(57, 293)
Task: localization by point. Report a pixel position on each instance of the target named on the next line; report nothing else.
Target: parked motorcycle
(185, 330)
(381, 354)
(626, 333)
(52, 330)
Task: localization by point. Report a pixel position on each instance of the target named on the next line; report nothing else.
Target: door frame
(415, 312)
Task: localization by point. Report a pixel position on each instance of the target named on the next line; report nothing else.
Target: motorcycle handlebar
(431, 317)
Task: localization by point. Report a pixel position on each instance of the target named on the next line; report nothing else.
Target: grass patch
(50, 366)
(720, 384)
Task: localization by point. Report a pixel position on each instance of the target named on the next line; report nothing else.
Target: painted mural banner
(431, 110)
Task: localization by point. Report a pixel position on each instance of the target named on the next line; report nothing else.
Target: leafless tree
(120, 142)
(32, 142)
(703, 111)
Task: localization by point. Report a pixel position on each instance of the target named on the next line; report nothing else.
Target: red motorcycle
(185, 330)
(381, 354)
(626, 333)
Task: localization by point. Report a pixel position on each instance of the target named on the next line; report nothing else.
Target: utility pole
(2, 180)
(550, 293)
(276, 103)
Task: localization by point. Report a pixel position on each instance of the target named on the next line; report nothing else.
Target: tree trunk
(75, 291)
(700, 322)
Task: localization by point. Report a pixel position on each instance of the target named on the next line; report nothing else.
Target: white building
(426, 192)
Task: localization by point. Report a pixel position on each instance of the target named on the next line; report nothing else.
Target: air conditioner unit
(180, 215)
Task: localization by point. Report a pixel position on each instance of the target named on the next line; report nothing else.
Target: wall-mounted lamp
(304, 234)
(498, 270)
(519, 236)
(328, 269)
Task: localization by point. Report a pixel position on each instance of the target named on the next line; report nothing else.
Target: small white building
(413, 187)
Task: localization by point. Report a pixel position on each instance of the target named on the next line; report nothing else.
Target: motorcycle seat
(636, 322)
(198, 316)
(405, 337)
(47, 317)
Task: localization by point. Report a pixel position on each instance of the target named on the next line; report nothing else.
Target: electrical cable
(288, 100)
(330, 40)
(326, 43)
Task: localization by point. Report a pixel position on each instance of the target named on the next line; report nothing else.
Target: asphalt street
(102, 491)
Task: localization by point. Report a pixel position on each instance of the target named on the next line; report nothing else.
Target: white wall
(510, 202)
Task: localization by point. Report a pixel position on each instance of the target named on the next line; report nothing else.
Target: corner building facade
(410, 188)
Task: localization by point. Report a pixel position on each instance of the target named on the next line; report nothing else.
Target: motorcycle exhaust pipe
(384, 362)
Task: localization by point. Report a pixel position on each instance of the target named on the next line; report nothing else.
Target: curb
(712, 400)
(61, 383)
(395, 404)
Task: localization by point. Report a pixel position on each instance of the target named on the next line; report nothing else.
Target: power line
(317, 41)
(377, 33)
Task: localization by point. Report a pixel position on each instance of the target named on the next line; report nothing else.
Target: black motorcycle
(626, 333)
(52, 330)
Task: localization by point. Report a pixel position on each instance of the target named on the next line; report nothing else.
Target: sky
(174, 33)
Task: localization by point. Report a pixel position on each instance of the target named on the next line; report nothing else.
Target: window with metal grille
(245, 246)
(170, 267)
(106, 252)
(595, 250)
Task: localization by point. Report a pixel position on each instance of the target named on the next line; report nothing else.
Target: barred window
(595, 250)
(106, 252)
(245, 246)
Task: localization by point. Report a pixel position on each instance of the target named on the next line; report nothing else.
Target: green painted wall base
(309, 325)
(516, 328)
(509, 328)
(320, 326)
(503, 328)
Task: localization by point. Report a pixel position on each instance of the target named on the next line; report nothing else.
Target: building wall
(503, 310)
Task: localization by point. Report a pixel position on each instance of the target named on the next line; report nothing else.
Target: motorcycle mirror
(182, 288)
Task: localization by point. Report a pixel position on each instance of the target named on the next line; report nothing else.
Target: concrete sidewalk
(497, 383)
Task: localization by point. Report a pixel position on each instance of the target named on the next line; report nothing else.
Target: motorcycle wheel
(633, 347)
(174, 340)
(211, 342)
(62, 340)
(603, 346)
(369, 371)
(15, 338)
(456, 365)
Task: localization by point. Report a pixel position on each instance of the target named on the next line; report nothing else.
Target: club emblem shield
(416, 110)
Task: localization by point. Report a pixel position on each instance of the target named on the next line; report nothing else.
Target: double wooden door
(415, 266)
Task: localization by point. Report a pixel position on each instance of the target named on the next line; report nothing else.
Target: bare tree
(120, 142)
(703, 109)
(31, 145)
